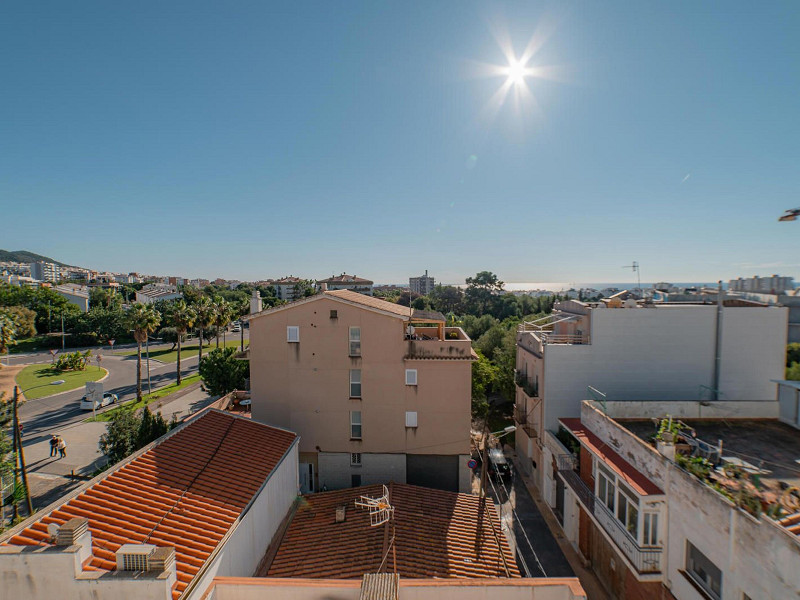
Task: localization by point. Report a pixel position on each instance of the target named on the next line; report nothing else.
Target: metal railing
(645, 560)
(528, 385)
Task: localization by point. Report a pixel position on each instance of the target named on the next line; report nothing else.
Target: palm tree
(144, 320)
(205, 318)
(222, 312)
(182, 316)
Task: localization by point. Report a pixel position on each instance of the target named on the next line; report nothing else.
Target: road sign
(472, 463)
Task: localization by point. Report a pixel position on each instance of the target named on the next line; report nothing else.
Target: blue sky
(252, 139)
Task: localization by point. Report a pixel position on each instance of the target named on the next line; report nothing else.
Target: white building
(154, 292)
(286, 288)
(710, 510)
(75, 294)
(663, 352)
(46, 271)
(774, 284)
(422, 285)
(162, 524)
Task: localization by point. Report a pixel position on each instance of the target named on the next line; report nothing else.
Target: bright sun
(516, 72)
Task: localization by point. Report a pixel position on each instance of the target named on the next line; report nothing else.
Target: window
(293, 333)
(355, 424)
(355, 341)
(334, 314)
(650, 529)
(628, 510)
(411, 419)
(355, 383)
(355, 459)
(355, 480)
(411, 377)
(605, 487)
(703, 571)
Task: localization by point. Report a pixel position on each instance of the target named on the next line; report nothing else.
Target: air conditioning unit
(134, 557)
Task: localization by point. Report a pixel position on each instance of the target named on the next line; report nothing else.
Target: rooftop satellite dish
(380, 511)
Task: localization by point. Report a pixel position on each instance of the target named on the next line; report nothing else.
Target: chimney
(75, 532)
(323, 287)
(341, 513)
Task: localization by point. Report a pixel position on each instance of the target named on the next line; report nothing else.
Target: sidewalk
(51, 477)
(591, 584)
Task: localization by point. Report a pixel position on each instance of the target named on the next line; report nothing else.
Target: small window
(355, 480)
(355, 424)
(293, 333)
(355, 341)
(355, 383)
(411, 419)
(355, 459)
(650, 529)
(411, 377)
(334, 314)
(707, 575)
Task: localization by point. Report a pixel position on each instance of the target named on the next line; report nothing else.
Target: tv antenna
(380, 511)
(634, 267)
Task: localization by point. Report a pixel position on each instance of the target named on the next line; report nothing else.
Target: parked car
(108, 398)
(499, 467)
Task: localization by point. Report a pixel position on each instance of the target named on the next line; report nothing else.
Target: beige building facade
(377, 392)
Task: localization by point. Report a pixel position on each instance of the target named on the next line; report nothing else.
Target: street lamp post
(19, 461)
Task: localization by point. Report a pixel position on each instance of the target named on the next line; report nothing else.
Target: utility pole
(20, 456)
(62, 332)
(147, 351)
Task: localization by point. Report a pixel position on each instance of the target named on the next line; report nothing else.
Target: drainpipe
(718, 343)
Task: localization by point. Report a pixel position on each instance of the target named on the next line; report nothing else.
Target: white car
(108, 398)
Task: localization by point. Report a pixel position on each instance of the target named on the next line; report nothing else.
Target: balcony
(528, 385)
(436, 343)
(644, 560)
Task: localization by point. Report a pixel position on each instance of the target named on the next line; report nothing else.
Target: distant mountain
(23, 256)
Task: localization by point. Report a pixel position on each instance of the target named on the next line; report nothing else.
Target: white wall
(690, 409)
(666, 353)
(247, 543)
(789, 400)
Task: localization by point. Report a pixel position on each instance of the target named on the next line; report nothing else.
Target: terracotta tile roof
(185, 492)
(438, 534)
(635, 479)
(370, 302)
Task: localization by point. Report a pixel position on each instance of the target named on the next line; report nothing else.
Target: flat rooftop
(767, 444)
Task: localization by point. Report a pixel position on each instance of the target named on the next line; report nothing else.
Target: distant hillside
(23, 256)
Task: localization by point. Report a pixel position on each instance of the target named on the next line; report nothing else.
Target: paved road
(538, 552)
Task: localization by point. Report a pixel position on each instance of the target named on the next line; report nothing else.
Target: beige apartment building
(378, 392)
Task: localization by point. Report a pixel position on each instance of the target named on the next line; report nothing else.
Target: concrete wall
(335, 470)
(410, 589)
(304, 386)
(46, 573)
(246, 543)
(757, 556)
(666, 353)
(689, 409)
(789, 401)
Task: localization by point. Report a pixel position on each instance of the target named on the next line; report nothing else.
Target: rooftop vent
(341, 513)
(69, 533)
(134, 557)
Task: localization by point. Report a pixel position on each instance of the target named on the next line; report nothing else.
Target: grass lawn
(147, 398)
(41, 375)
(166, 355)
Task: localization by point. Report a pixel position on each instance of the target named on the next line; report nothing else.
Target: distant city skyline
(260, 140)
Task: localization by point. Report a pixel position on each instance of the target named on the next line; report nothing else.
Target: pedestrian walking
(53, 445)
(62, 448)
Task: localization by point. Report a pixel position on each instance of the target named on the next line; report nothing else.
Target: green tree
(182, 317)
(222, 372)
(480, 291)
(792, 354)
(205, 318)
(222, 315)
(144, 320)
(105, 298)
(447, 299)
(24, 320)
(169, 335)
(484, 378)
(151, 427)
(119, 440)
(8, 331)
